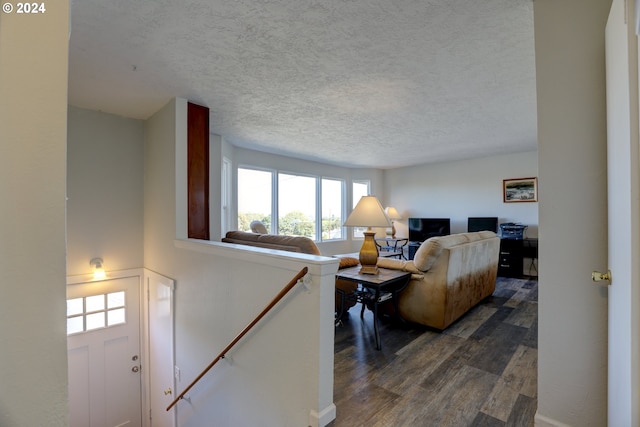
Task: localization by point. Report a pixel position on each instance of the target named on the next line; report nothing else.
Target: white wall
(462, 189)
(572, 353)
(282, 375)
(33, 117)
(104, 190)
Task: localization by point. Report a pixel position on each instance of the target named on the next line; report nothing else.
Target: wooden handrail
(247, 328)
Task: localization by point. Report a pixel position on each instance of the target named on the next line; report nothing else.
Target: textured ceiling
(360, 83)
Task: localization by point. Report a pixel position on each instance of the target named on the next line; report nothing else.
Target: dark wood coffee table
(375, 289)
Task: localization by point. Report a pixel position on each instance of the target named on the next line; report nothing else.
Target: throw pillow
(398, 264)
(346, 262)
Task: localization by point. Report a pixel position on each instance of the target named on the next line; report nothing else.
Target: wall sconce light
(98, 268)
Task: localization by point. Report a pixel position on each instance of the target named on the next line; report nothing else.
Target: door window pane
(115, 299)
(95, 321)
(332, 209)
(94, 303)
(75, 324)
(254, 198)
(297, 205)
(75, 306)
(115, 317)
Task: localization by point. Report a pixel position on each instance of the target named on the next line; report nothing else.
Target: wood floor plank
(523, 413)
(489, 327)
(475, 318)
(521, 374)
(525, 315)
(531, 338)
(495, 351)
(484, 420)
(501, 401)
(420, 342)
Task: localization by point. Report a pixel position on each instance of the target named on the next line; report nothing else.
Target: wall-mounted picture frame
(517, 190)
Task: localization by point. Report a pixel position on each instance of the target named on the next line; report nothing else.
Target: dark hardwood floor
(481, 371)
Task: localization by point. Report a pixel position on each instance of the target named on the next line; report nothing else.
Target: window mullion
(275, 195)
(318, 209)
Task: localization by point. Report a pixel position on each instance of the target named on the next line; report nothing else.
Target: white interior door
(103, 344)
(161, 353)
(622, 174)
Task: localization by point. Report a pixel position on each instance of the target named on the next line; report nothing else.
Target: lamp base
(369, 269)
(392, 231)
(369, 254)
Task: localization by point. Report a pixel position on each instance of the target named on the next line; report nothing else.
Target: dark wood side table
(375, 289)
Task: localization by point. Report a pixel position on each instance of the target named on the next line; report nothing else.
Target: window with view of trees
(297, 205)
(254, 198)
(299, 199)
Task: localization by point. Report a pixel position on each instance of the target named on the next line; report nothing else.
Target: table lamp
(392, 213)
(368, 213)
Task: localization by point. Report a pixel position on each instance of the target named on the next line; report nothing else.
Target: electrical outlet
(176, 373)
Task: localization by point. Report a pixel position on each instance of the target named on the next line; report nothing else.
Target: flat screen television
(420, 229)
(477, 223)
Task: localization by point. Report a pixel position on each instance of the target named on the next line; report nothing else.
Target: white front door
(623, 202)
(103, 344)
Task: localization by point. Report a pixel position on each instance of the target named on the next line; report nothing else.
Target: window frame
(343, 204)
(318, 188)
(274, 185)
(277, 198)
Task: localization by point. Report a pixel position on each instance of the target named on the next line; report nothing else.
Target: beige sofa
(450, 275)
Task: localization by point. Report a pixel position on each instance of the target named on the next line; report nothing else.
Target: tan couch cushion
(271, 241)
(304, 244)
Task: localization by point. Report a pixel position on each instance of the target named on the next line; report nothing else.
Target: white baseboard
(322, 418)
(542, 421)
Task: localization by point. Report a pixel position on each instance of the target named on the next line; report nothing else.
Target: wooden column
(198, 171)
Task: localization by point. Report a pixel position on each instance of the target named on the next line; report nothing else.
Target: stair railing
(247, 328)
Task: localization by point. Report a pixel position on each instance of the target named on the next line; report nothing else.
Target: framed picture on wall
(520, 190)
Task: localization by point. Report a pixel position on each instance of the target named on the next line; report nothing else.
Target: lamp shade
(392, 213)
(368, 213)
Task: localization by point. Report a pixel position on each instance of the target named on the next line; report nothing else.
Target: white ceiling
(359, 83)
